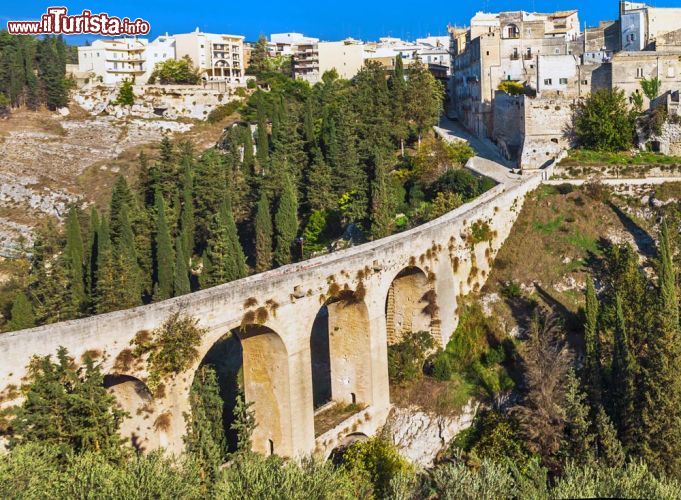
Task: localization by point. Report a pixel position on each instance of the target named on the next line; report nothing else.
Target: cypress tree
(592, 347)
(216, 255)
(92, 258)
(22, 315)
(622, 378)
(248, 158)
(121, 196)
(263, 147)
(187, 223)
(659, 436)
(263, 235)
(610, 452)
(578, 444)
(236, 262)
(181, 283)
(285, 223)
(381, 219)
(73, 254)
(127, 271)
(164, 258)
(319, 185)
(400, 120)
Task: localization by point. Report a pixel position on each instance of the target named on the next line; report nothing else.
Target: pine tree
(73, 254)
(659, 435)
(285, 223)
(424, 98)
(622, 391)
(164, 258)
(381, 218)
(69, 407)
(21, 315)
(263, 235)
(52, 72)
(263, 147)
(181, 285)
(592, 347)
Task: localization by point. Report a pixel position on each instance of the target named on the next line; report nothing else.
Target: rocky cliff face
(421, 436)
(154, 101)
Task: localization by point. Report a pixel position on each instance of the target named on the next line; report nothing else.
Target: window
(548, 81)
(563, 81)
(639, 72)
(557, 51)
(670, 71)
(488, 52)
(585, 82)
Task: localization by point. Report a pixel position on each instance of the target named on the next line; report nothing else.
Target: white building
(286, 43)
(115, 60)
(217, 57)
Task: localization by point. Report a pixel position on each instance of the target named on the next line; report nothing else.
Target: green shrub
(377, 460)
(223, 111)
(442, 367)
(565, 188)
(406, 358)
(175, 71)
(511, 290)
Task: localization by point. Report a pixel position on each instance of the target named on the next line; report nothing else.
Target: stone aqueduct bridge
(411, 281)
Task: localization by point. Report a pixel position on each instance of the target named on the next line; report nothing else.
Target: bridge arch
(411, 305)
(340, 345)
(253, 360)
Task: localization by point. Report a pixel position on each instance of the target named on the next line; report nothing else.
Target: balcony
(527, 57)
(514, 57)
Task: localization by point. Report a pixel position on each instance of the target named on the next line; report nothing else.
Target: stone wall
(532, 131)
(155, 101)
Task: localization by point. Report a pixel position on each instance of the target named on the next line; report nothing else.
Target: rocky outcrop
(421, 436)
(154, 101)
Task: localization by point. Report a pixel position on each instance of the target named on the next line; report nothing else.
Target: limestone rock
(421, 436)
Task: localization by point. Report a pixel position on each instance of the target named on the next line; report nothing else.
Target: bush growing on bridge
(170, 348)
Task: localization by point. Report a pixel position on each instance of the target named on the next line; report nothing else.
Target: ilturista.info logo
(57, 21)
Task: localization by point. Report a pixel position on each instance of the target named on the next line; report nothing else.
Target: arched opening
(321, 361)
(412, 329)
(340, 346)
(218, 382)
(511, 31)
(410, 306)
(248, 364)
(134, 397)
(336, 454)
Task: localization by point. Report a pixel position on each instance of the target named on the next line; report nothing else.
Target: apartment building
(115, 60)
(286, 43)
(218, 57)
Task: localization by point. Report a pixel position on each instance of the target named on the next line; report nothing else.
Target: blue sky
(329, 20)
